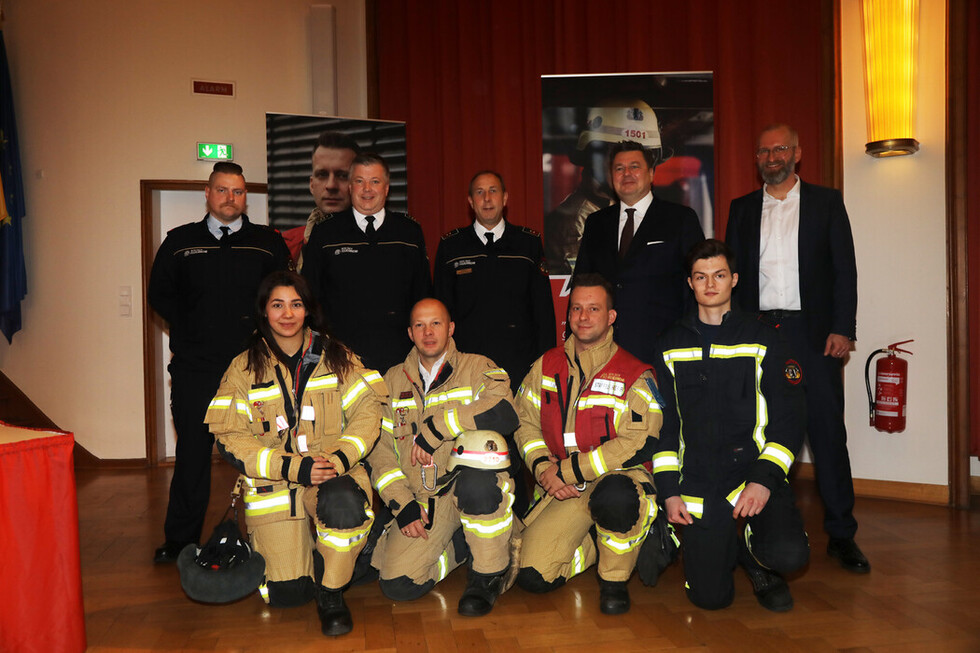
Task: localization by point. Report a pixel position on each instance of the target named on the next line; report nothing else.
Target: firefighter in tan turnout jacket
(439, 395)
(295, 414)
(589, 414)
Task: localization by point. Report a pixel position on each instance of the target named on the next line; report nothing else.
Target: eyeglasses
(779, 151)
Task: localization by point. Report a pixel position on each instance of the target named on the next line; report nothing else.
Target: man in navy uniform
(492, 278)
(367, 267)
(203, 283)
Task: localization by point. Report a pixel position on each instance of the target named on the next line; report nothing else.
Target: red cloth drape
(465, 76)
(973, 209)
(41, 605)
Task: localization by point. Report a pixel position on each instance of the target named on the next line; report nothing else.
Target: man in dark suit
(795, 257)
(367, 267)
(639, 244)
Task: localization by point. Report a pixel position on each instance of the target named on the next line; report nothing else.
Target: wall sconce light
(891, 36)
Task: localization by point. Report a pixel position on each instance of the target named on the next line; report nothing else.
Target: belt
(780, 313)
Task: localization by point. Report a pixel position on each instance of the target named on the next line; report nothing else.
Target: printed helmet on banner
(479, 450)
(621, 120)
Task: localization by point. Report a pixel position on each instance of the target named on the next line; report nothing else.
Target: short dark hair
(496, 174)
(630, 146)
(709, 248)
(335, 140)
(595, 280)
(370, 159)
(225, 168)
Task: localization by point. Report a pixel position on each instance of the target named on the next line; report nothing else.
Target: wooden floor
(923, 594)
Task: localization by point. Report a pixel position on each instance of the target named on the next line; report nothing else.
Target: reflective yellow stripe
(264, 592)
(243, 409)
(452, 422)
(344, 540)
(621, 545)
(490, 528)
(387, 425)
(263, 461)
(532, 398)
(264, 394)
(372, 377)
(597, 462)
(325, 381)
(389, 478)
(495, 372)
(778, 454)
(220, 403)
(695, 505)
(402, 403)
(264, 504)
(533, 446)
(578, 562)
(735, 494)
(464, 395)
(665, 461)
(357, 442)
(353, 393)
(548, 383)
(443, 566)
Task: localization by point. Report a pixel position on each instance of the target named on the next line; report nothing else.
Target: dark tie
(489, 238)
(370, 231)
(225, 232)
(627, 236)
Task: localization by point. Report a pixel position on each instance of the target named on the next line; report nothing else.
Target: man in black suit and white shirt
(640, 244)
(795, 257)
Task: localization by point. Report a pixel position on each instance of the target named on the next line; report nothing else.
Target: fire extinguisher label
(889, 377)
(793, 372)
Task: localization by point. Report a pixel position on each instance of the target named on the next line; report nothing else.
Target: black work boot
(480, 593)
(334, 615)
(769, 587)
(614, 598)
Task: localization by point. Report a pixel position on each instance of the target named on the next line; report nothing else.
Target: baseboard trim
(84, 459)
(897, 490)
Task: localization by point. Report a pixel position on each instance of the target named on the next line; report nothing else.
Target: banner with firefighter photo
(670, 114)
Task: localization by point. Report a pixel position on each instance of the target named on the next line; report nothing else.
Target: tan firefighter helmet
(479, 450)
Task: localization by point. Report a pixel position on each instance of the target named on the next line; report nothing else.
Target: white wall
(897, 208)
(102, 93)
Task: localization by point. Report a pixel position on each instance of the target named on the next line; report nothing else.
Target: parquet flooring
(923, 594)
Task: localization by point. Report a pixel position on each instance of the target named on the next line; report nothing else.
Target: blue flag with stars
(13, 275)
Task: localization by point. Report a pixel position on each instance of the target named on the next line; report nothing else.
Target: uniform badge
(793, 372)
(402, 416)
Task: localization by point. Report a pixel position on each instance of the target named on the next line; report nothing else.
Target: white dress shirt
(215, 225)
(428, 377)
(481, 231)
(779, 251)
(641, 210)
(361, 219)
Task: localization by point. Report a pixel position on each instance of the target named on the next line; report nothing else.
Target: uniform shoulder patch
(793, 372)
(529, 231)
(452, 233)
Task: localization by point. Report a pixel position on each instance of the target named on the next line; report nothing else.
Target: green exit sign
(214, 152)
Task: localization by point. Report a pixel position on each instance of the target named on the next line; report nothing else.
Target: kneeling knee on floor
(530, 580)
(711, 600)
(614, 504)
(290, 593)
(404, 588)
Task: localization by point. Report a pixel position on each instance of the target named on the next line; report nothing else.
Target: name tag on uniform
(301, 443)
(307, 414)
(282, 423)
(609, 387)
(570, 440)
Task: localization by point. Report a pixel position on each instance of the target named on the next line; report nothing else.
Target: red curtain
(973, 209)
(465, 76)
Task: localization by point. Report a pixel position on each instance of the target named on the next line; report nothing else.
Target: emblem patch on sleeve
(792, 371)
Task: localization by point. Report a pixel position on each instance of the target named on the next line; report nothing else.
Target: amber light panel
(891, 35)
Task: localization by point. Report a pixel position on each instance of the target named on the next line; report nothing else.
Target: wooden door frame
(155, 446)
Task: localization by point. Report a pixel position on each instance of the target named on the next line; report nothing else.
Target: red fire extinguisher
(887, 408)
